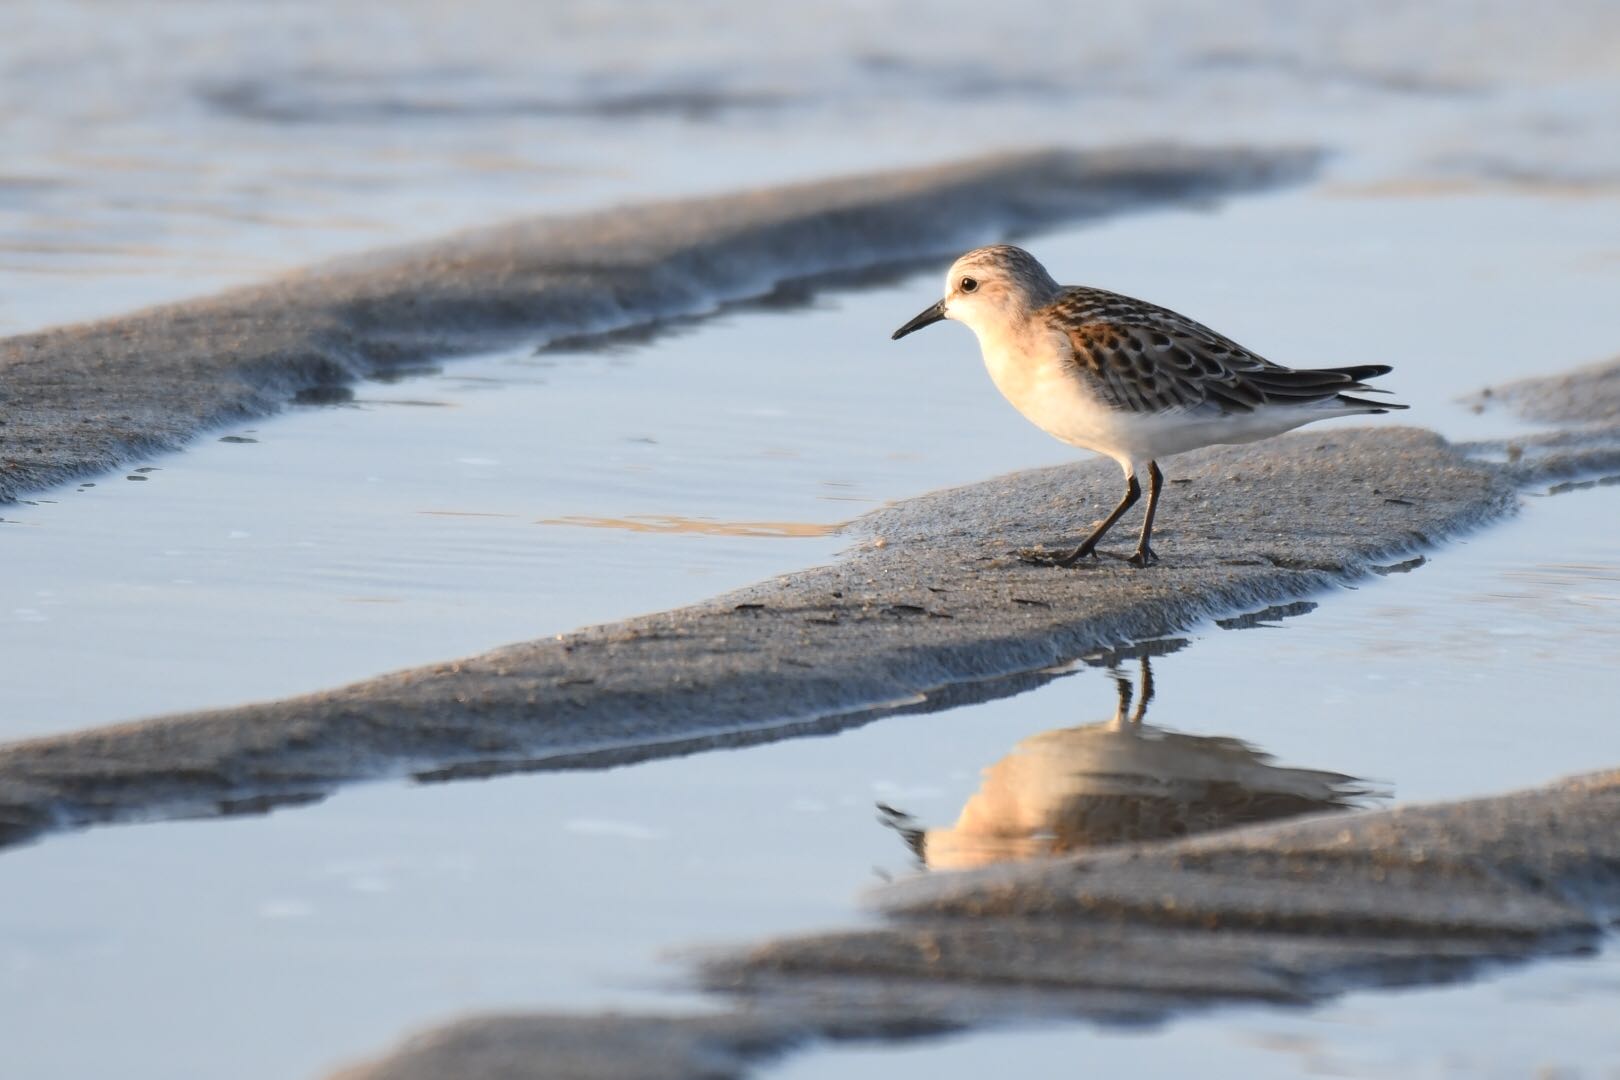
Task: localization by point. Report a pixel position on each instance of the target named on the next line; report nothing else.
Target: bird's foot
(1080, 554)
(1042, 557)
(1143, 556)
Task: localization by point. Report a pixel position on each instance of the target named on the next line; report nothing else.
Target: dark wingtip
(1358, 372)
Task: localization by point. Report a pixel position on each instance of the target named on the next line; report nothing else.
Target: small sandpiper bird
(1126, 378)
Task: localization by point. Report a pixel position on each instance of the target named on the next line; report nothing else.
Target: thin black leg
(1123, 686)
(1125, 719)
(1144, 554)
(1133, 491)
(1147, 692)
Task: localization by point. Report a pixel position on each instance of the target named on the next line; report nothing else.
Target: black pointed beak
(926, 318)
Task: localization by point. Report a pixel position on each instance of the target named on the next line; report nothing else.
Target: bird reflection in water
(1119, 782)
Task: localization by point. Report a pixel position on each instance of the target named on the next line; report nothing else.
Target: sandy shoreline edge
(79, 400)
(1288, 914)
(1291, 914)
(931, 609)
(934, 599)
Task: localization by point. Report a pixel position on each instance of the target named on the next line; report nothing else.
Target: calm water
(1468, 231)
(1557, 1019)
(206, 142)
(393, 906)
(276, 946)
(430, 519)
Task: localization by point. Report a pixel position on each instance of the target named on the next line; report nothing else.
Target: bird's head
(989, 287)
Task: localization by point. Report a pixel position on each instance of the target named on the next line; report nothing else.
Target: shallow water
(422, 521)
(276, 946)
(1467, 232)
(446, 513)
(1552, 1019)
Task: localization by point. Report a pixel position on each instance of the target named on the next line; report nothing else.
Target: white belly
(1037, 376)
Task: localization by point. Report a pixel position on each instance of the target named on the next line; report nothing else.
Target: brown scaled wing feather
(1142, 358)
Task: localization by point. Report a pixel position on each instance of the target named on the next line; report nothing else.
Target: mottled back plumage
(1142, 358)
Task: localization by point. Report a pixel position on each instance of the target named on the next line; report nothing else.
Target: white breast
(1035, 371)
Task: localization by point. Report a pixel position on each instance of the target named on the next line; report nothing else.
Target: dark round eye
(968, 284)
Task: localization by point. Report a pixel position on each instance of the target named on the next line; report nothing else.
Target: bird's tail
(1362, 405)
(1357, 374)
